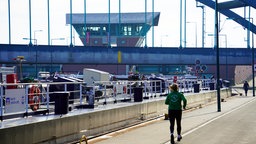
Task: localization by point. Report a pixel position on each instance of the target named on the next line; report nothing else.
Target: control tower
(116, 29)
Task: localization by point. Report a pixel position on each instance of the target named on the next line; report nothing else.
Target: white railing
(28, 98)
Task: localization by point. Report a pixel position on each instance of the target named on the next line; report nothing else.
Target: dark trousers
(175, 115)
(245, 91)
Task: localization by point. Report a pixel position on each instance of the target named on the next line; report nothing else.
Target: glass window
(129, 30)
(125, 30)
(93, 30)
(104, 30)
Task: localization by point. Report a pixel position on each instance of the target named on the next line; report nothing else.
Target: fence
(24, 99)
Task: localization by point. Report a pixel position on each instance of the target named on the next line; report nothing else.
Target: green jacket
(174, 99)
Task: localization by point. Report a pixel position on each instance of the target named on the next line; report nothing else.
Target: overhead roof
(102, 18)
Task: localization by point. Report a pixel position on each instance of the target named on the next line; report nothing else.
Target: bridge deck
(122, 55)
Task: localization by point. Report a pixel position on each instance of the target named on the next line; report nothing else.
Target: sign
(15, 100)
(119, 57)
(203, 68)
(197, 62)
(198, 67)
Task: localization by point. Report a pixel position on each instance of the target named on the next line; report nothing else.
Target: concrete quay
(193, 126)
(93, 122)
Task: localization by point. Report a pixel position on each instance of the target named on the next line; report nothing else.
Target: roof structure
(103, 18)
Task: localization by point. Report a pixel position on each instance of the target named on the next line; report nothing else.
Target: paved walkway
(234, 127)
(157, 131)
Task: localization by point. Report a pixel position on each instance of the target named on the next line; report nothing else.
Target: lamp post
(253, 81)
(216, 46)
(51, 49)
(56, 39)
(226, 46)
(35, 42)
(9, 20)
(248, 46)
(226, 54)
(30, 25)
(224, 35)
(20, 59)
(71, 22)
(162, 38)
(195, 32)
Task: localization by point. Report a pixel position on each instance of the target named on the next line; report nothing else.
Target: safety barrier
(34, 98)
(90, 123)
(113, 91)
(40, 98)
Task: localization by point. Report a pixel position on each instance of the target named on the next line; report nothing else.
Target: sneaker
(172, 139)
(179, 137)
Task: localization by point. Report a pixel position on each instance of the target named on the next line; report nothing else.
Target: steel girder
(232, 15)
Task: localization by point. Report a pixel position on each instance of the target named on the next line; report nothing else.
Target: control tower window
(138, 30)
(93, 30)
(113, 30)
(104, 30)
(127, 30)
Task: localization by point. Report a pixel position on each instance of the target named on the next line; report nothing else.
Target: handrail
(103, 92)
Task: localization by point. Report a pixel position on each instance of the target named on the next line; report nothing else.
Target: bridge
(48, 54)
(97, 38)
(122, 55)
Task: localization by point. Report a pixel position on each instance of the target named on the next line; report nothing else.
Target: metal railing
(23, 99)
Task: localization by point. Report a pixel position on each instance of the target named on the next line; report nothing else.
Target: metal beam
(231, 4)
(251, 3)
(232, 15)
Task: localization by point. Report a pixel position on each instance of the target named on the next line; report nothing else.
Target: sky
(166, 34)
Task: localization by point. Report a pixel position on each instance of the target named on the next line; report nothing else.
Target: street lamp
(221, 35)
(248, 46)
(68, 39)
(51, 50)
(195, 32)
(216, 46)
(35, 40)
(253, 81)
(248, 30)
(162, 37)
(20, 59)
(56, 39)
(226, 45)
(35, 43)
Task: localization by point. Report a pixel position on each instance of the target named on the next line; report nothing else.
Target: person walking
(246, 87)
(173, 100)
